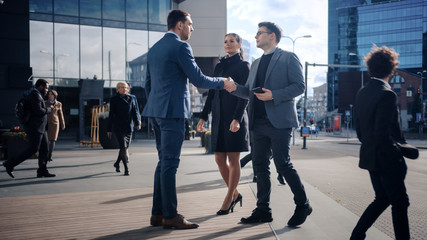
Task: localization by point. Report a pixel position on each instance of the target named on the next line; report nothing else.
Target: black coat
(378, 126)
(124, 114)
(226, 107)
(38, 116)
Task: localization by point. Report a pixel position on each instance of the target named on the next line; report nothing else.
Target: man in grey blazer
(274, 81)
(170, 66)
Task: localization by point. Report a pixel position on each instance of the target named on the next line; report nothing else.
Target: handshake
(229, 85)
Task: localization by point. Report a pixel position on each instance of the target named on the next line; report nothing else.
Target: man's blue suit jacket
(170, 65)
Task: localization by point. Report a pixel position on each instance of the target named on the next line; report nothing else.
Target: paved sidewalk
(89, 200)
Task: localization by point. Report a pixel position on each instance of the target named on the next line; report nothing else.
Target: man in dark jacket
(378, 129)
(35, 128)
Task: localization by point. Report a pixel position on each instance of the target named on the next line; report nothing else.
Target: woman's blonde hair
(121, 84)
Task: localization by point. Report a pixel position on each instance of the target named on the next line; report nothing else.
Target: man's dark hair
(176, 16)
(41, 82)
(381, 62)
(272, 27)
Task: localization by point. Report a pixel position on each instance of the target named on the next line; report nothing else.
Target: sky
(295, 18)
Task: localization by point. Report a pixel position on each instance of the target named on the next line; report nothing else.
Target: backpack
(22, 110)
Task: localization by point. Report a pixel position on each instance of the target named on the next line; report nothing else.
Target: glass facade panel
(41, 6)
(66, 7)
(114, 48)
(66, 50)
(153, 37)
(158, 11)
(114, 10)
(137, 48)
(90, 8)
(136, 11)
(90, 52)
(41, 49)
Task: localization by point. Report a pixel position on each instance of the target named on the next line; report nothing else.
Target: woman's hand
(234, 126)
(200, 125)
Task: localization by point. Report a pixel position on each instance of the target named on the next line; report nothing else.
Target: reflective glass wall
(395, 24)
(86, 39)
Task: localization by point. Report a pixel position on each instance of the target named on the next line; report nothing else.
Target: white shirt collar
(382, 80)
(175, 34)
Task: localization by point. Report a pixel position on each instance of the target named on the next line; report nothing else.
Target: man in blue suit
(170, 66)
(274, 81)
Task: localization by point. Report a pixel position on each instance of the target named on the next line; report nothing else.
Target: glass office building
(354, 26)
(87, 39)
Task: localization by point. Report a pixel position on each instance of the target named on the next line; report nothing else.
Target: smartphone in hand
(257, 90)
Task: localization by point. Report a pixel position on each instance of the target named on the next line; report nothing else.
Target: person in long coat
(123, 115)
(54, 120)
(229, 121)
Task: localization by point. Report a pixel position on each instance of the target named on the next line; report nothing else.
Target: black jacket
(378, 126)
(38, 117)
(124, 114)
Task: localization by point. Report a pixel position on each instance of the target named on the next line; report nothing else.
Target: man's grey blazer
(284, 78)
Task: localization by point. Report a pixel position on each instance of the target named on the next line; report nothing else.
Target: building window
(408, 93)
(41, 6)
(114, 10)
(66, 7)
(90, 8)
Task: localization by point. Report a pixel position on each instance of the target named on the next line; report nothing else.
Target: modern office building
(69, 41)
(354, 26)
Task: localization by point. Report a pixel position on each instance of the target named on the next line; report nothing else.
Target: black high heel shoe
(225, 212)
(239, 199)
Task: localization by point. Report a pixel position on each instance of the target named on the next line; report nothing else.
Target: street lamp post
(305, 99)
(294, 39)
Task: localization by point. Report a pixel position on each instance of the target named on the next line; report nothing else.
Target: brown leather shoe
(156, 220)
(179, 222)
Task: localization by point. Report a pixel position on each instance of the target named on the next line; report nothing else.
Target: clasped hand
(229, 85)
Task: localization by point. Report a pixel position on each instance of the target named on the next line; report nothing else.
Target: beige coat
(54, 119)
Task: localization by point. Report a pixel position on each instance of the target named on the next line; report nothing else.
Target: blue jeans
(170, 134)
(266, 138)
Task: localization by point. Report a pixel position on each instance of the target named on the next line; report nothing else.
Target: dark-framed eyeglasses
(261, 32)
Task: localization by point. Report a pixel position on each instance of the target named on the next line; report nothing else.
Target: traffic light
(311, 121)
(419, 91)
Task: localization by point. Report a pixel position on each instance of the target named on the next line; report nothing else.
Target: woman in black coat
(124, 114)
(229, 120)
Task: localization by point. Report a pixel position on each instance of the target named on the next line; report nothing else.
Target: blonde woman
(54, 120)
(124, 114)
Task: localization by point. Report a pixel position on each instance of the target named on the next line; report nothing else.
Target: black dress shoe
(9, 171)
(281, 179)
(126, 173)
(117, 166)
(300, 215)
(258, 216)
(46, 174)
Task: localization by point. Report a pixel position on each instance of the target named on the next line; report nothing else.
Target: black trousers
(124, 140)
(389, 187)
(37, 142)
(266, 138)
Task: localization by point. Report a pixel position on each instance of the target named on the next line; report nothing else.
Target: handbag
(408, 150)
